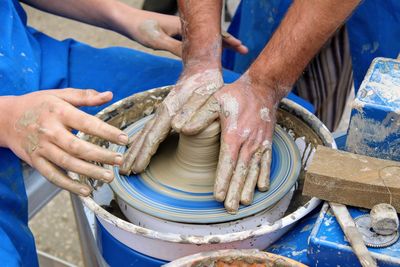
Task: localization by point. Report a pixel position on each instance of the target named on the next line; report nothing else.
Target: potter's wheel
(188, 201)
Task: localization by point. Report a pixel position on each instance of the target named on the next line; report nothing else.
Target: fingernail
(103, 94)
(108, 176)
(84, 191)
(123, 139)
(119, 159)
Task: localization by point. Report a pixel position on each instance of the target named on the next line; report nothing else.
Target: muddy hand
(247, 116)
(40, 133)
(189, 94)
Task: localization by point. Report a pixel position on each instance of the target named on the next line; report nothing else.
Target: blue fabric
(18, 75)
(374, 31)
(253, 23)
(117, 254)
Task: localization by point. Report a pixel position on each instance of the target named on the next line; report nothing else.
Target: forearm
(101, 13)
(304, 30)
(201, 30)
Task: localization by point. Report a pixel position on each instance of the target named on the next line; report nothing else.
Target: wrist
(201, 69)
(268, 80)
(6, 106)
(265, 85)
(123, 19)
(200, 65)
(205, 51)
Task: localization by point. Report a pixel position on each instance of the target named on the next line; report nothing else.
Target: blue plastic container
(329, 247)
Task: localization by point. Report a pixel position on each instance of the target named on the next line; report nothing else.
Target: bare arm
(201, 30)
(304, 30)
(148, 28)
(95, 12)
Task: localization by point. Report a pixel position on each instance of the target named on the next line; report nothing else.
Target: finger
(195, 102)
(226, 163)
(133, 138)
(131, 154)
(238, 179)
(59, 178)
(251, 179)
(68, 162)
(88, 124)
(157, 134)
(82, 149)
(233, 43)
(170, 44)
(82, 97)
(208, 113)
(265, 169)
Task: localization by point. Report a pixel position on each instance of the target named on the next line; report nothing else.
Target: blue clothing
(373, 28)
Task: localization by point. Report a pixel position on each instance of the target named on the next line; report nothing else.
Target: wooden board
(351, 179)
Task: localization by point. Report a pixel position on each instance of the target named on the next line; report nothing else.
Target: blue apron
(374, 31)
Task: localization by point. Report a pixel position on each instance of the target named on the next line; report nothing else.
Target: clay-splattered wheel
(182, 202)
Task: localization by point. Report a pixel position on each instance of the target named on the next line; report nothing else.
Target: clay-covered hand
(247, 116)
(189, 94)
(38, 130)
(156, 31)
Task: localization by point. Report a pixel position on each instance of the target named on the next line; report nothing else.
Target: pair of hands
(247, 116)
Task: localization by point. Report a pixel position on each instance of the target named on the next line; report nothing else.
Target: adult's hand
(192, 90)
(38, 129)
(247, 116)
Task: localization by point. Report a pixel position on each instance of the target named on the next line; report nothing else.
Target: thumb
(82, 97)
(208, 113)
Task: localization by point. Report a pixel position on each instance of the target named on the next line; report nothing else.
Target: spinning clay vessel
(168, 220)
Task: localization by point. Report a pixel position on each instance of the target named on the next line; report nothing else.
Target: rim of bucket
(312, 121)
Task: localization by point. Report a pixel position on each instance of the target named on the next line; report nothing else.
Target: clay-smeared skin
(246, 140)
(38, 130)
(191, 91)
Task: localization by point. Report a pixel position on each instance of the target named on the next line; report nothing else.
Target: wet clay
(188, 162)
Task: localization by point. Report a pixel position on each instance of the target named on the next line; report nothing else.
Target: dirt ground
(54, 227)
